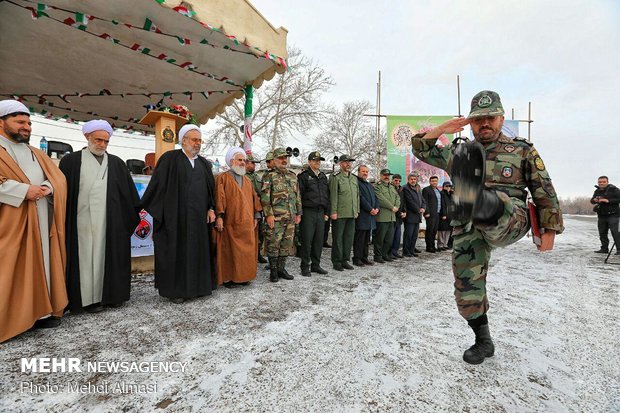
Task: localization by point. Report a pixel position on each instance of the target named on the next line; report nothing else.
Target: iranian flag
(80, 22)
(184, 11)
(150, 26)
(188, 66)
(106, 36)
(139, 48)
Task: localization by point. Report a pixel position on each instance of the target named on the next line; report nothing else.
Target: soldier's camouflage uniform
(512, 165)
(280, 198)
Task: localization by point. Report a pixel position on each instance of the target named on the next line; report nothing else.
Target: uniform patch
(509, 148)
(539, 163)
(507, 172)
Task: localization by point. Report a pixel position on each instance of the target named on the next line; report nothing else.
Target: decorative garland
(81, 22)
(83, 26)
(106, 92)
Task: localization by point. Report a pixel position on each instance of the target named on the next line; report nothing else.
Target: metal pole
(379, 107)
(458, 94)
(513, 113)
(529, 120)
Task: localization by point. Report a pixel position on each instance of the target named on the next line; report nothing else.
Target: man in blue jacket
(365, 222)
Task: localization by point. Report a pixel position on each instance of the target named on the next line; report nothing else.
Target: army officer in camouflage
(250, 172)
(282, 208)
(498, 213)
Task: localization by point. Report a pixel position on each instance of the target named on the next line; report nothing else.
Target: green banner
(400, 160)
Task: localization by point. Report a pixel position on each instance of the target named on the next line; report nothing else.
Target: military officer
(389, 205)
(250, 172)
(314, 189)
(282, 208)
(496, 215)
(344, 207)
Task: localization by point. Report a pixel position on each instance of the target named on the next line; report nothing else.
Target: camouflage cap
(315, 156)
(385, 172)
(269, 156)
(250, 158)
(277, 152)
(486, 103)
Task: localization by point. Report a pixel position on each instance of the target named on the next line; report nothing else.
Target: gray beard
(239, 170)
(94, 150)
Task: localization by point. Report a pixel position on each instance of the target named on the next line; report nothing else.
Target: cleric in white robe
(102, 214)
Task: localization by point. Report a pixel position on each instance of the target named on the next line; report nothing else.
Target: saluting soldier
(282, 208)
(490, 207)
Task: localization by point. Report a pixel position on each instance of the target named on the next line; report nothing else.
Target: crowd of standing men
(67, 228)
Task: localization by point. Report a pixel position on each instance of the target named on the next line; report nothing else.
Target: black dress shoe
(115, 305)
(326, 245)
(407, 255)
(602, 251)
(379, 260)
(358, 263)
(94, 308)
(397, 255)
(431, 250)
(262, 259)
(366, 261)
(305, 272)
(178, 300)
(317, 269)
(417, 251)
(338, 267)
(387, 259)
(347, 266)
(49, 322)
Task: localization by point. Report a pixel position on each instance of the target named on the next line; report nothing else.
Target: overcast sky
(560, 55)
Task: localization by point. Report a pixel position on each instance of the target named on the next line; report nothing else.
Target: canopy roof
(109, 58)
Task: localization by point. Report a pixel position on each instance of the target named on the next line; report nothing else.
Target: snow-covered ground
(382, 338)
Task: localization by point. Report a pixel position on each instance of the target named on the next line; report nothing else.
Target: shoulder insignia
(522, 140)
(539, 163)
(509, 148)
(507, 172)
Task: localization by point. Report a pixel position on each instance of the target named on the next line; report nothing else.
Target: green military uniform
(512, 166)
(345, 201)
(256, 184)
(280, 198)
(388, 198)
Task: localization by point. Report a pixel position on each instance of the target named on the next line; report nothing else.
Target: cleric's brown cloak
(24, 296)
(237, 244)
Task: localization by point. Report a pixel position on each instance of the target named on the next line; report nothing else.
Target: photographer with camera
(605, 200)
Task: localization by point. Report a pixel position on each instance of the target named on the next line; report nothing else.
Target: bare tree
(348, 131)
(579, 206)
(288, 103)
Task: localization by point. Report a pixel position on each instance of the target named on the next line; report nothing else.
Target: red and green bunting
(80, 21)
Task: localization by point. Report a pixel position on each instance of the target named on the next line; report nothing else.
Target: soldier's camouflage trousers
(279, 239)
(472, 251)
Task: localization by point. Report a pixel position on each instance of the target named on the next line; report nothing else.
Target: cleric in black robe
(181, 200)
(102, 214)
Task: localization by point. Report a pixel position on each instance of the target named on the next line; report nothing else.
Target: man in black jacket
(314, 190)
(365, 221)
(415, 207)
(433, 213)
(606, 199)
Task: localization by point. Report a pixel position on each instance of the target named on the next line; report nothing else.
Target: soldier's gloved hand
(271, 221)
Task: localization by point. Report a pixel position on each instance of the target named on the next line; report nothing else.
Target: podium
(167, 126)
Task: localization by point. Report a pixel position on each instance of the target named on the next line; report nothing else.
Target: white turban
(10, 106)
(95, 125)
(232, 152)
(187, 128)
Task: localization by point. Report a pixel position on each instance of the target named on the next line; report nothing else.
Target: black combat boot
(282, 273)
(468, 174)
(482, 348)
(489, 208)
(273, 269)
(261, 259)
